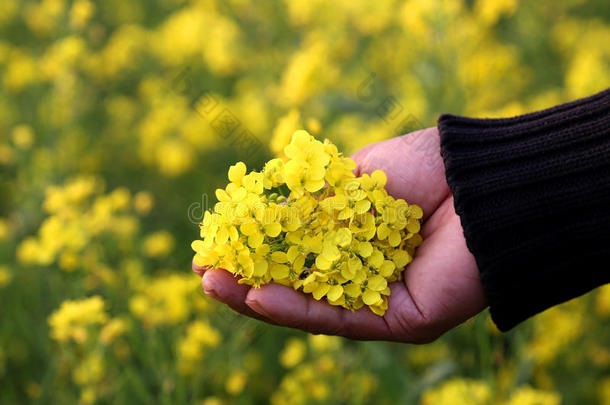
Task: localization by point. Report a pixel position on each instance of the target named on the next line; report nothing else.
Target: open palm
(441, 287)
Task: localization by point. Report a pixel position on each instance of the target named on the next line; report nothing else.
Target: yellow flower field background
(119, 119)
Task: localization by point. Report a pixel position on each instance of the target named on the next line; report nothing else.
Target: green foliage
(115, 117)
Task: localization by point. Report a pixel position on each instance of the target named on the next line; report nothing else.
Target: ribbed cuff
(533, 196)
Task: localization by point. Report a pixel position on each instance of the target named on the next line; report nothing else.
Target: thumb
(413, 166)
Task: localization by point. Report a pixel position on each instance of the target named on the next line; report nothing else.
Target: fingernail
(211, 293)
(208, 287)
(258, 308)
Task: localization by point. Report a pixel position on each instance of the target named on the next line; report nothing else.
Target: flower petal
(377, 283)
(321, 291)
(273, 229)
(371, 297)
(335, 292)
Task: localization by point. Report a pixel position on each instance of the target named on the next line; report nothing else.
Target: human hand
(441, 286)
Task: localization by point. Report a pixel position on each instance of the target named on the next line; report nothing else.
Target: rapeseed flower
(293, 353)
(5, 276)
(158, 244)
(191, 348)
(458, 391)
(74, 318)
(310, 223)
(163, 300)
(236, 382)
(529, 396)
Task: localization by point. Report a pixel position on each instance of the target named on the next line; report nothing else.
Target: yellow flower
(20, 72)
(305, 169)
(212, 401)
(88, 396)
(113, 329)
(273, 173)
(236, 382)
(323, 343)
(191, 348)
(163, 300)
(604, 391)
(555, 330)
(530, 396)
(293, 353)
(143, 202)
(5, 276)
(458, 391)
(158, 244)
(490, 11)
(81, 12)
(90, 370)
(312, 381)
(286, 126)
(73, 319)
(317, 227)
(23, 136)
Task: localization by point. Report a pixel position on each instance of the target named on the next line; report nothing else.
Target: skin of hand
(440, 289)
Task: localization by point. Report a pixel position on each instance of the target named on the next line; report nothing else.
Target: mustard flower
(73, 319)
(308, 222)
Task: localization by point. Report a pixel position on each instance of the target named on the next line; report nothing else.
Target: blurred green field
(119, 118)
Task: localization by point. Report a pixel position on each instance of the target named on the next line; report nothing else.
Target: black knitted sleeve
(533, 196)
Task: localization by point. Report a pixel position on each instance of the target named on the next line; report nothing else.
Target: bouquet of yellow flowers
(310, 223)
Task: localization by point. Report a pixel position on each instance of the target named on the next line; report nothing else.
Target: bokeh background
(119, 118)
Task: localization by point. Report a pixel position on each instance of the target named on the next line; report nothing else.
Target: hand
(441, 287)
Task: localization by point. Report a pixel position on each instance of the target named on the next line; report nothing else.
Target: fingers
(222, 286)
(280, 305)
(198, 269)
(443, 278)
(291, 308)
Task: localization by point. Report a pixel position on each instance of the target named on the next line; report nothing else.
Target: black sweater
(533, 196)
